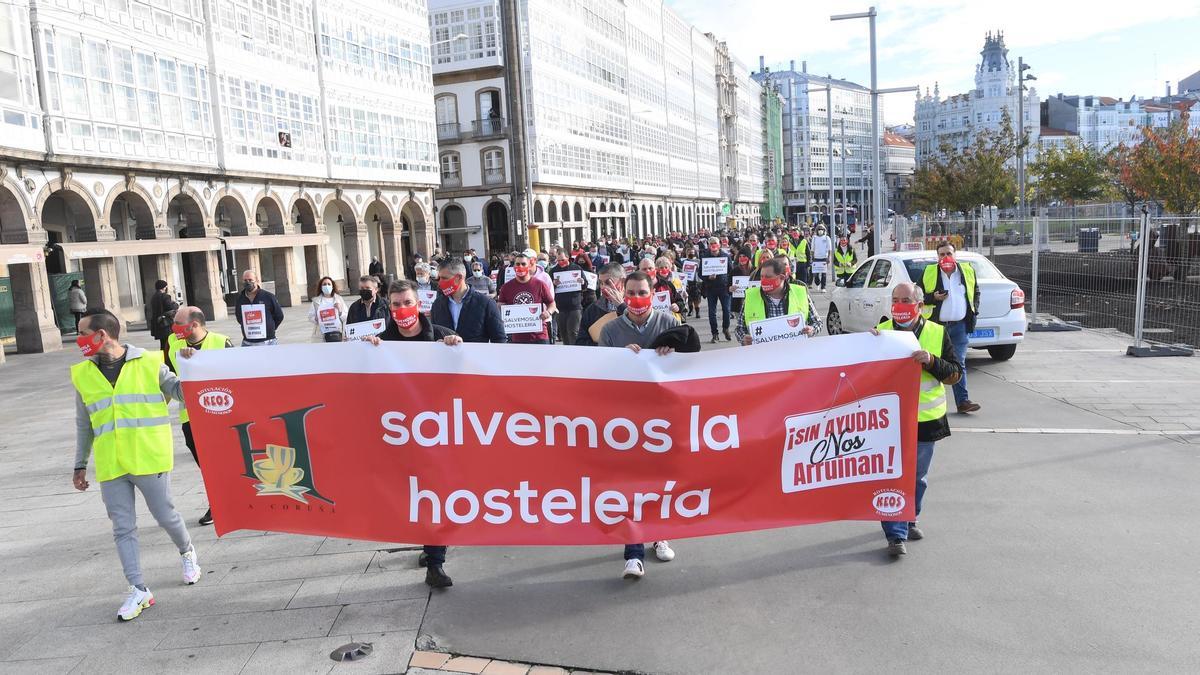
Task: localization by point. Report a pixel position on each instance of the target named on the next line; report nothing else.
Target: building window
(451, 170)
(493, 166)
(446, 109)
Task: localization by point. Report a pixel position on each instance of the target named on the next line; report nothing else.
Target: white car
(866, 299)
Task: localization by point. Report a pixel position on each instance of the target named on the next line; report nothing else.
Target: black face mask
(365, 294)
(248, 286)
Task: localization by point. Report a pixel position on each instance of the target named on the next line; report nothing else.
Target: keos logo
(888, 502)
(217, 401)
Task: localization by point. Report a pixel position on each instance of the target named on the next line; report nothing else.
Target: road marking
(1115, 350)
(1103, 432)
(1105, 381)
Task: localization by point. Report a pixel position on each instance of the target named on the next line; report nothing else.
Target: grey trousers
(568, 325)
(118, 498)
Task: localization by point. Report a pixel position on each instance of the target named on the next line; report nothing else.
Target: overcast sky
(1101, 47)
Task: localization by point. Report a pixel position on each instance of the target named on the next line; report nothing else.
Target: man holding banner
(527, 290)
(939, 367)
(408, 324)
(776, 298)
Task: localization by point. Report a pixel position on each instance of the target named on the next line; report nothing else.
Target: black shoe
(435, 577)
(915, 533)
(895, 548)
(206, 519)
(423, 559)
(727, 337)
(715, 339)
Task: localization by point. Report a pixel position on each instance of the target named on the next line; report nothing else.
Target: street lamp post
(1022, 78)
(842, 161)
(878, 208)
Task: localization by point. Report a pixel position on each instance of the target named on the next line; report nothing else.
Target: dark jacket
(716, 284)
(267, 299)
(942, 367)
(683, 339)
(429, 332)
(162, 305)
(972, 303)
(571, 301)
(591, 314)
(478, 321)
(358, 311)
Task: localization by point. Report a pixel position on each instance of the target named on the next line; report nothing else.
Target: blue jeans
(713, 299)
(958, 337)
(635, 551)
(893, 529)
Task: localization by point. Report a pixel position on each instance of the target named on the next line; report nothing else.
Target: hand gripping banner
(528, 444)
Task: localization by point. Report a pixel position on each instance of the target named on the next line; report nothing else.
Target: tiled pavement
(275, 603)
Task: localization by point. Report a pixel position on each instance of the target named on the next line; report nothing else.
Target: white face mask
(327, 289)
(423, 278)
(477, 273)
(468, 258)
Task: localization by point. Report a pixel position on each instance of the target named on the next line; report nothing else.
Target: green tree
(1076, 173)
(1165, 166)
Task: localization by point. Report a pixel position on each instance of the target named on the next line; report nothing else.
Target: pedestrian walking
(525, 289)
(939, 367)
(569, 300)
(845, 259)
(776, 297)
(822, 257)
(122, 421)
(78, 302)
(952, 299)
(162, 314)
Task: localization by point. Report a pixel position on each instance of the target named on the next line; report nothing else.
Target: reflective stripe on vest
(929, 281)
(174, 344)
(932, 403)
(754, 306)
(130, 421)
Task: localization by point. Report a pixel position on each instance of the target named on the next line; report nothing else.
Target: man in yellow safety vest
(939, 367)
(775, 298)
(952, 299)
(189, 331)
(121, 418)
(845, 259)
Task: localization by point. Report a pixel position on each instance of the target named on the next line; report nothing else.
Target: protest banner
(740, 284)
(510, 273)
(711, 266)
(408, 441)
(777, 329)
(570, 281)
(592, 279)
(689, 269)
(661, 301)
(329, 319)
(362, 329)
(426, 299)
(522, 318)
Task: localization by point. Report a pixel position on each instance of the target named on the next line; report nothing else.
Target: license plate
(984, 333)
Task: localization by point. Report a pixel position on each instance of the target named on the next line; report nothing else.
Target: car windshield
(983, 268)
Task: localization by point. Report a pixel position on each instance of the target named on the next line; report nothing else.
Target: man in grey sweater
(641, 324)
(637, 329)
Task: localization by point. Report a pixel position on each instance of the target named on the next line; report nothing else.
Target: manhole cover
(351, 652)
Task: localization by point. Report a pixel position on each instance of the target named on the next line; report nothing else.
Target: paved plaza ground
(1059, 537)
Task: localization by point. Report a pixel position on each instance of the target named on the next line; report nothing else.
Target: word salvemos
(559, 505)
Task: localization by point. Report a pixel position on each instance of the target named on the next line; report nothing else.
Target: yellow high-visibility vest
(174, 344)
(843, 263)
(929, 279)
(130, 422)
(754, 306)
(932, 404)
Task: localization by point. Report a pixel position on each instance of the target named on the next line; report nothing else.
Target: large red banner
(528, 444)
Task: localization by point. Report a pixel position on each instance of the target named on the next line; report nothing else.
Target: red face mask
(564, 263)
(89, 344)
(948, 264)
(638, 304)
(448, 286)
(771, 284)
(771, 245)
(714, 247)
(180, 331)
(743, 261)
(522, 270)
(904, 313)
(406, 317)
(664, 272)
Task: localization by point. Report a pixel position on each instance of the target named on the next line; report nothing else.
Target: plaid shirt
(774, 309)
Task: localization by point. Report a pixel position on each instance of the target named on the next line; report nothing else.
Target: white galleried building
(958, 119)
(190, 141)
(621, 122)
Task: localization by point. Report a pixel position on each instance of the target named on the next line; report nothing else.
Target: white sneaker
(634, 569)
(135, 602)
(191, 568)
(662, 549)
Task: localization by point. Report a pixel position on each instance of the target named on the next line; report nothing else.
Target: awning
(80, 250)
(235, 243)
(21, 254)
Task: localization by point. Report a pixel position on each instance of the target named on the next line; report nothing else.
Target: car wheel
(833, 322)
(1002, 352)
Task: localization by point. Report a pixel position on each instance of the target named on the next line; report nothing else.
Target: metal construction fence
(1095, 272)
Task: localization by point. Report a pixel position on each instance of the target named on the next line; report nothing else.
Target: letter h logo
(293, 480)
